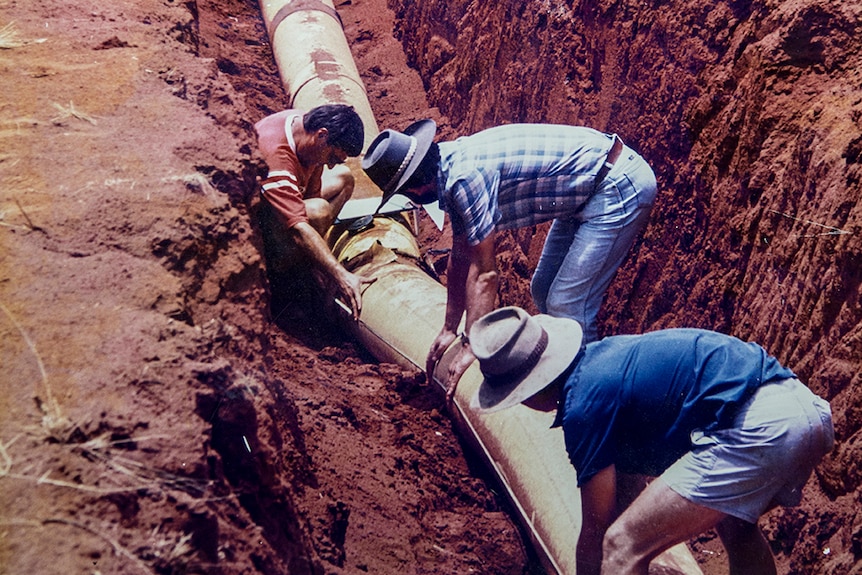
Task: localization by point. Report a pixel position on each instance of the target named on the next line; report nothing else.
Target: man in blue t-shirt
(597, 191)
(727, 430)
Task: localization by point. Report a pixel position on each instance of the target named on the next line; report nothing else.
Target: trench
(229, 411)
(268, 435)
(233, 35)
(527, 465)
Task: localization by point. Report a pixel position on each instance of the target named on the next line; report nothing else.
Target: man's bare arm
(347, 285)
(477, 285)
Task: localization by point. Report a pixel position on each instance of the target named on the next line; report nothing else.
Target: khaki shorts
(779, 435)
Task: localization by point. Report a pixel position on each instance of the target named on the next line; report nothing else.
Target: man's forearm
(312, 244)
(456, 278)
(481, 295)
(481, 281)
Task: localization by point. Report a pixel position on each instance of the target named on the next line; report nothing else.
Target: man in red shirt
(303, 199)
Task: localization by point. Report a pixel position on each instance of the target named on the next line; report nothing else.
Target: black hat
(394, 156)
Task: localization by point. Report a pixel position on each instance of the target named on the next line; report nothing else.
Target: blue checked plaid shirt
(518, 175)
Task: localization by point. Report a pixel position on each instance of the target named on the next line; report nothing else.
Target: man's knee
(616, 541)
(619, 549)
(320, 214)
(338, 182)
(345, 178)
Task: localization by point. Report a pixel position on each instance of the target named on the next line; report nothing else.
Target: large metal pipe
(315, 63)
(403, 309)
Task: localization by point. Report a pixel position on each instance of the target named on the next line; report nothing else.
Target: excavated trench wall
(751, 115)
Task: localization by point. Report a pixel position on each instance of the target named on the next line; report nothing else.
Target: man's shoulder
(274, 123)
(273, 142)
(522, 142)
(538, 130)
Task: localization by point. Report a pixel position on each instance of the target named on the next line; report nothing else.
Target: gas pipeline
(527, 457)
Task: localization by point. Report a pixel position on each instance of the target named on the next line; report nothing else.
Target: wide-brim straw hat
(393, 156)
(519, 355)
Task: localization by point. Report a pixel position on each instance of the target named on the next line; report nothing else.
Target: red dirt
(158, 418)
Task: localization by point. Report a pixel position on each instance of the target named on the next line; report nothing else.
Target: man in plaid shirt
(301, 198)
(597, 192)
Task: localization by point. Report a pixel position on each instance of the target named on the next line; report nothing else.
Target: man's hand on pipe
(438, 347)
(462, 360)
(350, 286)
(459, 365)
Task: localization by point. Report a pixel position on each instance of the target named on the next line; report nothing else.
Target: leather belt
(610, 160)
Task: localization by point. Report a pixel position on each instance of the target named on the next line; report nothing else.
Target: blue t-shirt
(633, 401)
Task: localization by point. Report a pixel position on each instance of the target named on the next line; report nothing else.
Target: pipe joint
(299, 6)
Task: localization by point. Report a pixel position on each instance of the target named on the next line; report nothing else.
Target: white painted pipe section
(403, 310)
(316, 67)
(314, 58)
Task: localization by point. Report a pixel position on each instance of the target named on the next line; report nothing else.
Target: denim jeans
(581, 254)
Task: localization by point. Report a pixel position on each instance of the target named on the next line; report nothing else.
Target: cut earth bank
(157, 418)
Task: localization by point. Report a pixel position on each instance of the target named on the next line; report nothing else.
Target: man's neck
(300, 141)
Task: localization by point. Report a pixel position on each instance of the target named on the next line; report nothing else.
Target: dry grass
(6, 224)
(70, 112)
(140, 475)
(170, 547)
(125, 473)
(9, 38)
(6, 465)
(831, 231)
(15, 128)
(30, 225)
(52, 417)
(118, 548)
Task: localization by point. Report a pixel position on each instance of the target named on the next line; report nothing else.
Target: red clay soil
(158, 415)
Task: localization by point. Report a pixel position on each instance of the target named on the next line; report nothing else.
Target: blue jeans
(581, 254)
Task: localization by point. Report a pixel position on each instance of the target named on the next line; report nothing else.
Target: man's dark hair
(426, 171)
(343, 124)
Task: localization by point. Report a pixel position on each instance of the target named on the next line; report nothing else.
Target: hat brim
(564, 342)
(424, 132)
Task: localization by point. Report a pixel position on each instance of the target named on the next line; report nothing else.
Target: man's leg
(658, 519)
(747, 549)
(611, 221)
(320, 215)
(287, 267)
(337, 187)
(557, 245)
(597, 250)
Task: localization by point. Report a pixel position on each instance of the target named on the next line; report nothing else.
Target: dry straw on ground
(70, 111)
(10, 38)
